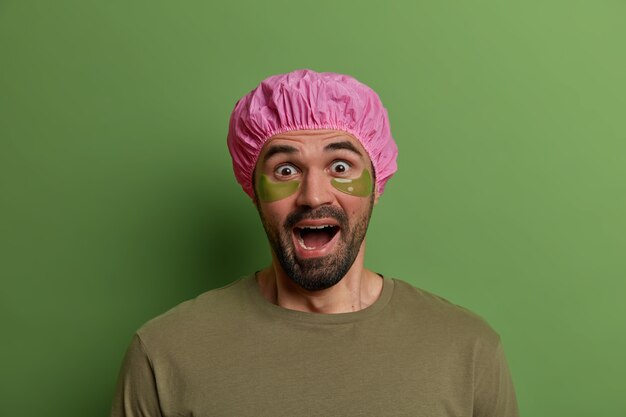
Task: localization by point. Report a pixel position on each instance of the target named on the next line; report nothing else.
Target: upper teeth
(315, 227)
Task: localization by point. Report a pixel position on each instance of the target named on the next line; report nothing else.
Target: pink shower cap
(305, 99)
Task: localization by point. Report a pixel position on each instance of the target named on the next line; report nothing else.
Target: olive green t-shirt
(230, 352)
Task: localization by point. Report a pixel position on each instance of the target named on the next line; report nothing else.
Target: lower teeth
(301, 242)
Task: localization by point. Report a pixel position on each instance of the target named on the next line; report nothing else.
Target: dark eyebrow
(342, 145)
(273, 150)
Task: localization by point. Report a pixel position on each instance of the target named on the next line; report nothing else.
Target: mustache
(317, 213)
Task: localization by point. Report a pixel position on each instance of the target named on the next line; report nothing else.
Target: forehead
(311, 141)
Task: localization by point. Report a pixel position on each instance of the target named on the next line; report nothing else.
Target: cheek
(269, 191)
(359, 187)
(276, 213)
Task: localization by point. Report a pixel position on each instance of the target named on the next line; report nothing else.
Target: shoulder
(437, 315)
(212, 309)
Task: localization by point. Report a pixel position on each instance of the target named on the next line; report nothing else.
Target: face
(314, 192)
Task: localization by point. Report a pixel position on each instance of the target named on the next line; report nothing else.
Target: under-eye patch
(269, 191)
(360, 187)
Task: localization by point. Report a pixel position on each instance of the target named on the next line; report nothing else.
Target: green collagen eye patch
(269, 191)
(361, 187)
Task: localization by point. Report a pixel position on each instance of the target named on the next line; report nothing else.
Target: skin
(322, 170)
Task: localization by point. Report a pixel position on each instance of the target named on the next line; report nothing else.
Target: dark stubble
(323, 272)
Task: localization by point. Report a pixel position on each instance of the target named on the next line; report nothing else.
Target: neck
(358, 289)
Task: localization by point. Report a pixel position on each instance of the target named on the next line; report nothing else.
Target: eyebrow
(289, 150)
(342, 145)
(276, 149)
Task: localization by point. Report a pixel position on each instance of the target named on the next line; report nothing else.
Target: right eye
(285, 171)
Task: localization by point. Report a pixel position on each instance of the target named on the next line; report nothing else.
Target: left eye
(340, 167)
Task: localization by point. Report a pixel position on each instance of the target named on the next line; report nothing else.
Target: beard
(323, 272)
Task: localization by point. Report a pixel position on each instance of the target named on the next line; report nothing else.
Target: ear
(376, 194)
(255, 198)
(255, 201)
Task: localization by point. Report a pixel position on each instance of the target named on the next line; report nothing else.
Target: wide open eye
(340, 167)
(285, 171)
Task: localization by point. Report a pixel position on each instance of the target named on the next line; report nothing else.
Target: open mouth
(315, 237)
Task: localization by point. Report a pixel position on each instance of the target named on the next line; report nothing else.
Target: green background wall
(118, 200)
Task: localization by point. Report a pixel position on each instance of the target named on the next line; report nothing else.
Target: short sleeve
(494, 394)
(136, 392)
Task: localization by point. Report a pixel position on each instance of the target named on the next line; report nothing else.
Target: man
(315, 333)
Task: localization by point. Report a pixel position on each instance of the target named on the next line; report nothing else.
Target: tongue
(316, 238)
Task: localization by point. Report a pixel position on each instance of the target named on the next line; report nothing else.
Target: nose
(315, 190)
